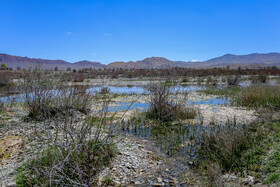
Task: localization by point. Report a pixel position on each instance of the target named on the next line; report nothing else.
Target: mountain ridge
(25, 62)
(247, 60)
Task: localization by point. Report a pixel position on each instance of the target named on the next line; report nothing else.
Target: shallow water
(121, 106)
(214, 101)
(142, 90)
(173, 140)
(113, 89)
(128, 106)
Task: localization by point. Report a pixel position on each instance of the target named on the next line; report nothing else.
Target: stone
(11, 184)
(137, 183)
(159, 180)
(157, 184)
(249, 180)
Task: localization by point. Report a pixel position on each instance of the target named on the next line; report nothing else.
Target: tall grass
(259, 97)
(230, 91)
(227, 144)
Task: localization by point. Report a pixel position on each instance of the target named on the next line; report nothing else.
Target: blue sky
(124, 30)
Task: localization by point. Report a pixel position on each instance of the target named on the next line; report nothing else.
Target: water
(142, 90)
(121, 106)
(113, 89)
(214, 101)
(120, 90)
(173, 140)
(128, 106)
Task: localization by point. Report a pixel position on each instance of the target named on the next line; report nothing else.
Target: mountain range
(251, 60)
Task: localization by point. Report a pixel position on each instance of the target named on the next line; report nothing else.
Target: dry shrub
(233, 80)
(6, 77)
(258, 79)
(45, 97)
(214, 174)
(72, 152)
(165, 105)
(2, 105)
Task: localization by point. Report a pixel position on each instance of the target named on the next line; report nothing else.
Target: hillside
(254, 60)
(25, 62)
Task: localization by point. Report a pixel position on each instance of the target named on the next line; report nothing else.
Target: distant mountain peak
(259, 59)
(25, 62)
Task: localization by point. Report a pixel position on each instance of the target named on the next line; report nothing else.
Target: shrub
(259, 79)
(211, 81)
(164, 106)
(78, 77)
(73, 154)
(2, 106)
(6, 77)
(233, 80)
(46, 98)
(104, 90)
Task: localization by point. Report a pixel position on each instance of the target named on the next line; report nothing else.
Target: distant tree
(56, 68)
(228, 67)
(68, 69)
(3, 67)
(274, 67)
(18, 68)
(74, 70)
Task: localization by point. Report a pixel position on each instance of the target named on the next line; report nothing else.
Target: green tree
(3, 67)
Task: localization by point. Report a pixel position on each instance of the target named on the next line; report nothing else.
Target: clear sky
(124, 30)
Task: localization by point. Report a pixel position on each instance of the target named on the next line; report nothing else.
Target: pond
(142, 90)
(113, 89)
(121, 106)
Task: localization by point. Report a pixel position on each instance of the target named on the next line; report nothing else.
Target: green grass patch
(37, 171)
(244, 151)
(259, 97)
(224, 92)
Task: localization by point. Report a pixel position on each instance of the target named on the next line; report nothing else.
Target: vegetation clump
(259, 79)
(227, 144)
(46, 98)
(233, 80)
(164, 107)
(2, 106)
(259, 97)
(73, 154)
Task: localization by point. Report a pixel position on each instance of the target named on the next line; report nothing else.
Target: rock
(159, 180)
(137, 183)
(172, 182)
(249, 180)
(157, 184)
(11, 184)
(100, 179)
